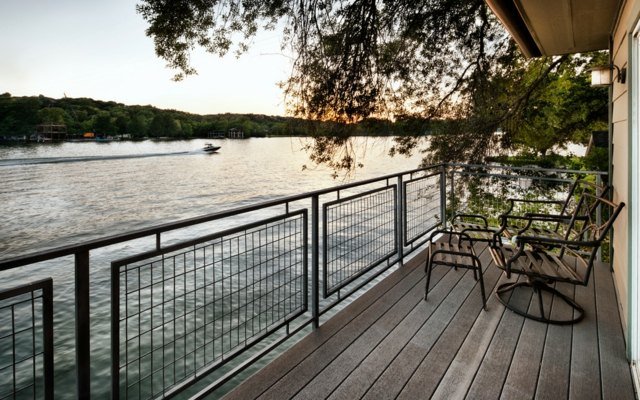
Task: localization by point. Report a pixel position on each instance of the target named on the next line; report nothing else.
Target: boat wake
(58, 160)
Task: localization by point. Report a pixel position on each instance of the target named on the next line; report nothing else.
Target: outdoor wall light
(601, 76)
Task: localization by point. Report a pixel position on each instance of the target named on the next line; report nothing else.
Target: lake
(61, 194)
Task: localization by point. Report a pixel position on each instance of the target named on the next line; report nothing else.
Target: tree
(122, 123)
(51, 115)
(448, 61)
(163, 125)
(103, 124)
(351, 59)
(137, 126)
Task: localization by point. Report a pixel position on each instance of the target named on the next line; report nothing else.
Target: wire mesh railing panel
(26, 341)
(489, 194)
(423, 206)
(188, 309)
(359, 234)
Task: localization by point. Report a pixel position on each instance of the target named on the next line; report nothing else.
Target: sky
(98, 49)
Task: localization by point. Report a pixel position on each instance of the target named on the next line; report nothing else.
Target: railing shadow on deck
(190, 311)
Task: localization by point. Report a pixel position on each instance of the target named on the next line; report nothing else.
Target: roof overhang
(553, 27)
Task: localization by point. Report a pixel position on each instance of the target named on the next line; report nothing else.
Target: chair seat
(541, 264)
(476, 232)
(452, 254)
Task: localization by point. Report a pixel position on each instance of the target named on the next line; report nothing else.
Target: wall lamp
(601, 76)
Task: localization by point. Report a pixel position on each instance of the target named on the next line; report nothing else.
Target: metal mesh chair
(458, 254)
(477, 226)
(547, 224)
(546, 260)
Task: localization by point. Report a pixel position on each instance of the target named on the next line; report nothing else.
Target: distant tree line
(20, 115)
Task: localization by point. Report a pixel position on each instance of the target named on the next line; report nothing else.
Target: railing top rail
(504, 176)
(68, 250)
(25, 288)
(566, 171)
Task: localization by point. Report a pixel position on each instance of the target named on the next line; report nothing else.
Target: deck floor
(390, 343)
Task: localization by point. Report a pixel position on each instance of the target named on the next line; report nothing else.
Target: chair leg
(538, 286)
(484, 297)
(540, 303)
(428, 268)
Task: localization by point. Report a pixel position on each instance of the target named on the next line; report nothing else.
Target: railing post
(47, 326)
(599, 212)
(115, 333)
(83, 329)
(443, 196)
(315, 262)
(399, 222)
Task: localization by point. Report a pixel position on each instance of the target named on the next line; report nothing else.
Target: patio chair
(457, 254)
(477, 226)
(545, 260)
(545, 224)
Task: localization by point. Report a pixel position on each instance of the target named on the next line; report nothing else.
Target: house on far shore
(235, 133)
(49, 133)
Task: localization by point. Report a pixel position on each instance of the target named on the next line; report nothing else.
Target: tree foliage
(352, 59)
(414, 61)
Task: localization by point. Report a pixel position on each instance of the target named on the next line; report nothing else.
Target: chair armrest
(523, 239)
(541, 201)
(554, 217)
(475, 216)
(530, 217)
(531, 201)
(461, 235)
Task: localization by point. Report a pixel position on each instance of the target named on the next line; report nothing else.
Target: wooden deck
(390, 343)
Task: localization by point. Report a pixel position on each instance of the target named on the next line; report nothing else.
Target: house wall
(624, 26)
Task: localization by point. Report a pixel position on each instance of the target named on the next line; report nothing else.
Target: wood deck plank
(389, 343)
(553, 382)
(361, 312)
(362, 376)
(585, 361)
(491, 374)
(462, 371)
(524, 370)
(324, 382)
(426, 377)
(296, 379)
(393, 378)
(615, 372)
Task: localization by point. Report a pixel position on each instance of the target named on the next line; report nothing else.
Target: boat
(209, 148)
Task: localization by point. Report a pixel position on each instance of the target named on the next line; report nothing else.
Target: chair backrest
(590, 222)
(580, 186)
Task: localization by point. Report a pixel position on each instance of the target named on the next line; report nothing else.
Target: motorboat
(209, 148)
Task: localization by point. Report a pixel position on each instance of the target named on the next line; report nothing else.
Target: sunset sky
(98, 49)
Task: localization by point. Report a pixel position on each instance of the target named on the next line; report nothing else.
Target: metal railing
(486, 189)
(190, 308)
(26, 341)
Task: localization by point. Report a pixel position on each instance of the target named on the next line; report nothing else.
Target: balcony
(332, 281)
(390, 343)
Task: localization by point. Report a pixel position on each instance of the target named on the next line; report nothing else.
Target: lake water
(60, 194)
(53, 195)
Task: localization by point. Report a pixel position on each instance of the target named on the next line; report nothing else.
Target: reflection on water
(48, 205)
(54, 195)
